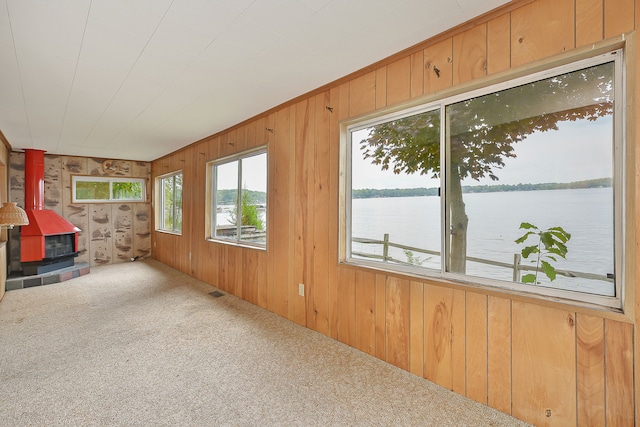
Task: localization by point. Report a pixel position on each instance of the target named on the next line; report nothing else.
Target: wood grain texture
(544, 365)
(279, 200)
(301, 146)
(311, 213)
(235, 273)
(590, 349)
(619, 17)
(499, 44)
(269, 294)
(250, 275)
(417, 74)
(365, 306)
(261, 278)
(397, 322)
(541, 29)
(381, 315)
(340, 103)
(292, 286)
(589, 21)
(476, 347)
(444, 337)
(619, 373)
(470, 54)
(346, 305)
(196, 203)
(399, 81)
(438, 66)
(416, 328)
(319, 314)
(381, 87)
(362, 98)
(499, 353)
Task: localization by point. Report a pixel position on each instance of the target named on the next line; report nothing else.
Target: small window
(97, 189)
(239, 199)
(169, 206)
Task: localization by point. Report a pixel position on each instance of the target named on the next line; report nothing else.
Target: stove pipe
(33, 179)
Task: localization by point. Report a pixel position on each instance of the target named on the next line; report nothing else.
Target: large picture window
(516, 186)
(169, 207)
(239, 198)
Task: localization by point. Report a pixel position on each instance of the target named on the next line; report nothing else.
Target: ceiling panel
(140, 79)
(40, 27)
(139, 17)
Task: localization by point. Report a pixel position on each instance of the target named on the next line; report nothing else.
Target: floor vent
(216, 294)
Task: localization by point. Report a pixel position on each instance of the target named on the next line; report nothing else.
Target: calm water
(494, 220)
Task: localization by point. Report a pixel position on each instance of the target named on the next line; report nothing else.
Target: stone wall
(111, 232)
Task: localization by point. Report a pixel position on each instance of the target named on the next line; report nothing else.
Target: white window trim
(159, 208)
(211, 200)
(616, 303)
(110, 180)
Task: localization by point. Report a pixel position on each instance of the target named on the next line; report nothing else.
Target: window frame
(506, 80)
(89, 178)
(159, 211)
(212, 198)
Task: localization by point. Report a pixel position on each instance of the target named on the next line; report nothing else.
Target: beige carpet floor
(140, 344)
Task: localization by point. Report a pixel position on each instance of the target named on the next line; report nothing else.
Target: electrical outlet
(301, 289)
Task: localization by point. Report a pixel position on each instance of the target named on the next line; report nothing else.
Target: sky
(577, 151)
(254, 174)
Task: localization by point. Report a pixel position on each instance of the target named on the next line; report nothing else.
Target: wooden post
(385, 247)
(516, 267)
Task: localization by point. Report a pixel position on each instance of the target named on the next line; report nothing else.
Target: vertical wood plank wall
(4, 194)
(543, 364)
(110, 232)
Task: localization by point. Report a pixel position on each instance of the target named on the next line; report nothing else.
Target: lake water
(494, 220)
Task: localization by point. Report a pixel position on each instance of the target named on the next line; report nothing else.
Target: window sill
(175, 233)
(237, 244)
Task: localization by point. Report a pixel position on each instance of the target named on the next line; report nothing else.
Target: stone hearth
(57, 276)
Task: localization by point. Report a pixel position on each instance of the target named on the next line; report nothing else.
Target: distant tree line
(367, 193)
(229, 197)
(370, 193)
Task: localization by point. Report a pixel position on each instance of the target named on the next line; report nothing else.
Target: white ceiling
(137, 79)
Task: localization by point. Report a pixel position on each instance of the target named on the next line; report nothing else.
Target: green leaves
(550, 245)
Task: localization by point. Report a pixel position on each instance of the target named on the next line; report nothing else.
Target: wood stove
(49, 242)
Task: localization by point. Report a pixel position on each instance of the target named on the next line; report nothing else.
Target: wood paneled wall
(110, 232)
(544, 363)
(4, 190)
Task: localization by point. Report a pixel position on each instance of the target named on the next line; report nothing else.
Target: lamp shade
(11, 214)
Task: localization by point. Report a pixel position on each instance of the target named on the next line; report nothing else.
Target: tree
(482, 132)
(248, 212)
(172, 200)
(127, 190)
